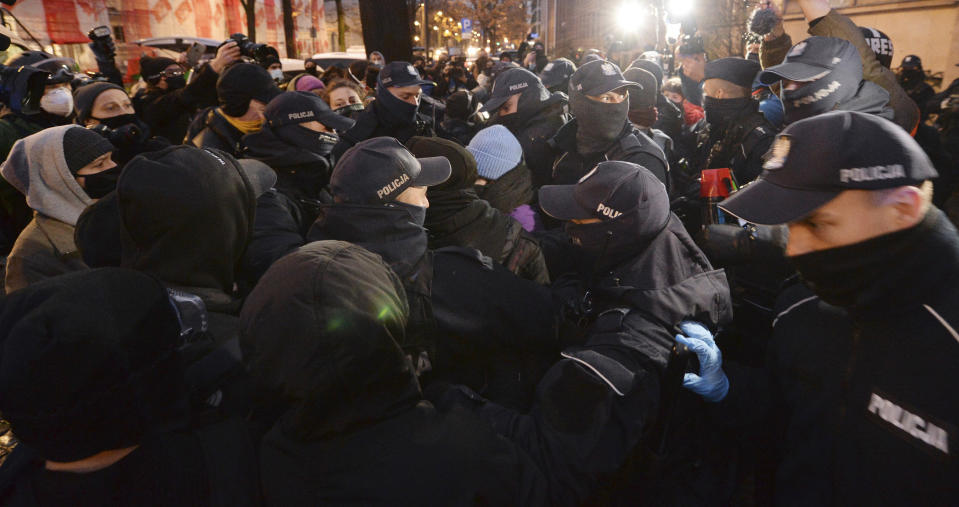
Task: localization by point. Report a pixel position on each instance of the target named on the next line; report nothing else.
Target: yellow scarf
(245, 126)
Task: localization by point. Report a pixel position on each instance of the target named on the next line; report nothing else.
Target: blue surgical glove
(711, 383)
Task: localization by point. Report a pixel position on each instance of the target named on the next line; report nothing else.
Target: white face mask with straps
(277, 74)
(58, 101)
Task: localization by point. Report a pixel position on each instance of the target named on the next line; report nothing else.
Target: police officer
(822, 74)
(556, 74)
(531, 113)
(600, 129)
(858, 385)
(739, 134)
(394, 112)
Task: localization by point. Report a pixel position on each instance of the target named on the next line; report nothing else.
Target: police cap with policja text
(598, 77)
(816, 159)
(292, 108)
(611, 190)
(815, 58)
(508, 83)
(400, 74)
(377, 170)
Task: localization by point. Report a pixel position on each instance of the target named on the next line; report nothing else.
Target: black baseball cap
(398, 75)
(813, 59)
(557, 72)
(377, 170)
(290, 108)
(738, 71)
(911, 62)
(612, 189)
(817, 158)
(646, 98)
(598, 77)
(508, 83)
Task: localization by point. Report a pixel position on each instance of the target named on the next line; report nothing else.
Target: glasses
(171, 73)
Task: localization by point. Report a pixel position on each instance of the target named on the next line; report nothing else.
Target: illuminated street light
(416, 38)
(630, 15)
(416, 23)
(439, 13)
(680, 8)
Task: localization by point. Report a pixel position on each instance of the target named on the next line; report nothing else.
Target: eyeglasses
(171, 73)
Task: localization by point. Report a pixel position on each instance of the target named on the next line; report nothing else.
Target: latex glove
(711, 383)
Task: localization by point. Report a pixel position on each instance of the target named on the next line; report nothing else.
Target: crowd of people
(530, 282)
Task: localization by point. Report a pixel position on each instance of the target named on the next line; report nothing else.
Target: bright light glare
(629, 16)
(681, 8)
(471, 51)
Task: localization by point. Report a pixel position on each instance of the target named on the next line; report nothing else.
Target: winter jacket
(631, 146)
(741, 145)
(14, 212)
(904, 112)
(376, 121)
(533, 129)
(862, 399)
(464, 332)
(360, 420)
(169, 113)
(211, 130)
(511, 193)
(594, 405)
(39, 171)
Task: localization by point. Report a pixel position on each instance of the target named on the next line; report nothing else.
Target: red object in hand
(715, 183)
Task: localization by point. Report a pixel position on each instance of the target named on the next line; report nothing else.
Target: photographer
(455, 78)
(105, 52)
(106, 109)
(168, 103)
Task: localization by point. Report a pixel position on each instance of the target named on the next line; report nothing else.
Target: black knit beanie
(82, 146)
(152, 66)
(86, 95)
(242, 82)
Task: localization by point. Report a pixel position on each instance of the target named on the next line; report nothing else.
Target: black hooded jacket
(593, 406)
(356, 430)
(509, 191)
(631, 146)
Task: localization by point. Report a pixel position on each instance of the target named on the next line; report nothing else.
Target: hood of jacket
(188, 225)
(670, 280)
(268, 148)
(461, 218)
(870, 98)
(37, 168)
(341, 314)
(387, 230)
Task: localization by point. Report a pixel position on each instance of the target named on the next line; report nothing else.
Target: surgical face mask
(277, 74)
(58, 101)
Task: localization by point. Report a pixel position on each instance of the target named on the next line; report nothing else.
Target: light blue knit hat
(496, 151)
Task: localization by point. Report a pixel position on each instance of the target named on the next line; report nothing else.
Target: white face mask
(378, 62)
(277, 74)
(58, 101)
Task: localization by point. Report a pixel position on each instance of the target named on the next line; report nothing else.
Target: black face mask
(175, 83)
(102, 183)
(417, 213)
(115, 122)
(818, 97)
(350, 110)
(608, 242)
(513, 122)
(401, 111)
(598, 123)
(845, 275)
(911, 77)
(311, 71)
(320, 143)
(720, 113)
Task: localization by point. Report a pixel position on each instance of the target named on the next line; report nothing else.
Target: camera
(261, 53)
(102, 38)
(127, 135)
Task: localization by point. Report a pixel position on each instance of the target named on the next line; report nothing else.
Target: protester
(393, 113)
(306, 83)
(692, 55)
(60, 170)
(361, 420)
(107, 109)
(503, 180)
(345, 97)
(739, 134)
(643, 113)
(168, 103)
(311, 68)
(673, 91)
(670, 116)
(458, 217)
(600, 128)
(93, 382)
(243, 92)
(461, 121)
(521, 103)
(857, 366)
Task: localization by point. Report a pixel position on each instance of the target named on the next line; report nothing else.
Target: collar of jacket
(565, 138)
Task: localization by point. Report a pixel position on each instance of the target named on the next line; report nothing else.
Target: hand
(227, 54)
(711, 383)
(104, 51)
(814, 9)
(778, 30)
(752, 48)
